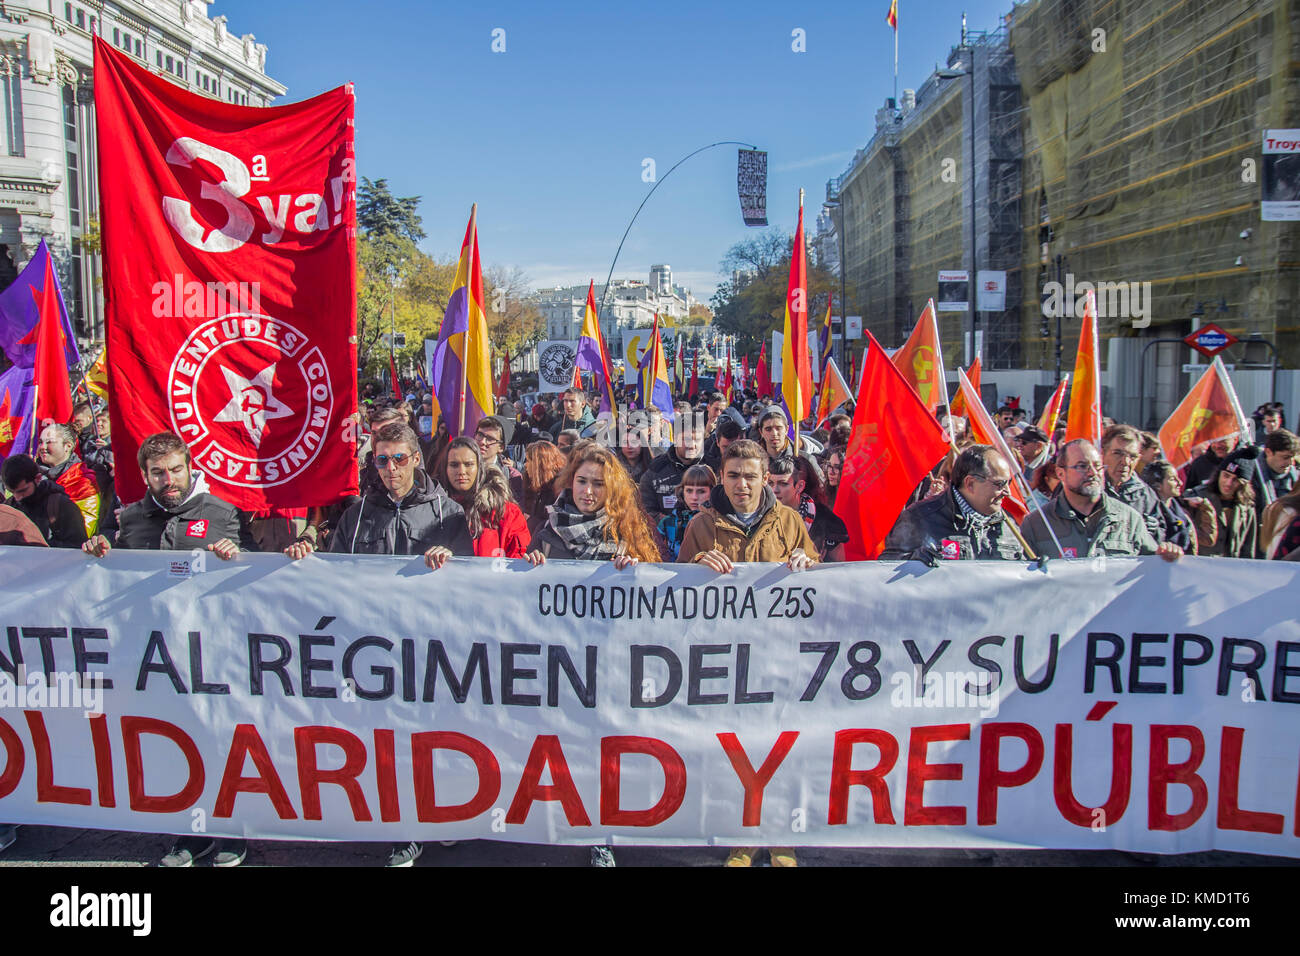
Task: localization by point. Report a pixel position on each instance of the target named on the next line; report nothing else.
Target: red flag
(796, 370)
(763, 374)
(921, 360)
(695, 374)
(985, 432)
(1208, 412)
(1084, 418)
(393, 383)
(896, 441)
(744, 371)
(230, 278)
(724, 380)
(1047, 421)
(959, 401)
(53, 396)
(503, 383)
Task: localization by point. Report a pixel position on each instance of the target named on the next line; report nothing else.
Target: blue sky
(549, 137)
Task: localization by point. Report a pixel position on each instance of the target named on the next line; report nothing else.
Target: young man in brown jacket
(744, 522)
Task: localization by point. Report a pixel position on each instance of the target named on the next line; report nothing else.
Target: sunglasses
(400, 459)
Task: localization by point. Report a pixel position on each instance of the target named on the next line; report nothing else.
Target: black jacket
(425, 518)
(198, 521)
(660, 481)
(55, 515)
(938, 526)
(1137, 494)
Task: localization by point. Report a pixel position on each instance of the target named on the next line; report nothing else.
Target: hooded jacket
(940, 524)
(660, 481)
(1236, 524)
(425, 518)
(777, 532)
(54, 514)
(198, 521)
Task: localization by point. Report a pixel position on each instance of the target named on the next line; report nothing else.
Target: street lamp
(952, 74)
(844, 301)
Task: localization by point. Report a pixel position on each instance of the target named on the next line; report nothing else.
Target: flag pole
(1246, 436)
(795, 411)
(469, 300)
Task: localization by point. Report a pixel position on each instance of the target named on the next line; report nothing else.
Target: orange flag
(1206, 414)
(835, 391)
(896, 440)
(959, 403)
(921, 360)
(1052, 413)
(985, 432)
(1084, 419)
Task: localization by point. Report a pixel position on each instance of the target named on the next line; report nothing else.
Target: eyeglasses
(1083, 467)
(400, 460)
(486, 441)
(1000, 484)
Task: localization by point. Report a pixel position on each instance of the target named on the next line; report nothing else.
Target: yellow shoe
(783, 856)
(740, 856)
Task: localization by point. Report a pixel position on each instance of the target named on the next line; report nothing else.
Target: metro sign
(1210, 340)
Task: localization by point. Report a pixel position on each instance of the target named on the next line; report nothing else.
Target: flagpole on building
(469, 298)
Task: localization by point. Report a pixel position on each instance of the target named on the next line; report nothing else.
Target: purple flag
(19, 314)
(17, 400)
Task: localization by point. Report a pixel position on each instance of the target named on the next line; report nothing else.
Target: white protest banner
(1128, 703)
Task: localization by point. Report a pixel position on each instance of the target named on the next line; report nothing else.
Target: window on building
(74, 190)
(73, 301)
(158, 56)
(69, 115)
(139, 50)
(117, 37)
(171, 65)
(94, 24)
(81, 19)
(67, 12)
(13, 92)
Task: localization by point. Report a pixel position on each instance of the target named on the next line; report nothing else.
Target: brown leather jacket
(779, 531)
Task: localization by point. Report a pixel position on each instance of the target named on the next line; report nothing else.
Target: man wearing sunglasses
(1086, 519)
(414, 516)
(964, 523)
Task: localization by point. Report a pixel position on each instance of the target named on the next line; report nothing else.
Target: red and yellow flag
(920, 360)
(1205, 415)
(1084, 419)
(958, 401)
(796, 370)
(1047, 421)
(892, 19)
(895, 441)
(985, 432)
(835, 391)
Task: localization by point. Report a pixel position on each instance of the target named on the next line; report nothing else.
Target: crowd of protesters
(719, 482)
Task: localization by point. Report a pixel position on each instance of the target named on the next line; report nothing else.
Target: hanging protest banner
(368, 698)
(230, 284)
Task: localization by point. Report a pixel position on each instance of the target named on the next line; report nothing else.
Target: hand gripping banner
(1117, 703)
(230, 283)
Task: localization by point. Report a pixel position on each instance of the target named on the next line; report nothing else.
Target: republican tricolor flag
(592, 355)
(796, 370)
(892, 19)
(462, 367)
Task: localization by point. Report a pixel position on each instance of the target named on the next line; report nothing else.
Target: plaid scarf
(974, 517)
(582, 534)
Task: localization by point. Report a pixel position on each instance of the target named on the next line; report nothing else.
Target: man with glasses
(1121, 449)
(491, 434)
(964, 523)
(1086, 520)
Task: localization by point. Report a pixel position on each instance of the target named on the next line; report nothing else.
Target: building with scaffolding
(1114, 142)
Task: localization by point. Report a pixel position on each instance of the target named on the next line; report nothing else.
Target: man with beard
(1087, 521)
(178, 514)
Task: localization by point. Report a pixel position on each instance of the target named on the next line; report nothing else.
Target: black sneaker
(230, 853)
(186, 850)
(602, 856)
(405, 855)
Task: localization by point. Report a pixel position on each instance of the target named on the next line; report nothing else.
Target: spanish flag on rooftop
(461, 369)
(892, 19)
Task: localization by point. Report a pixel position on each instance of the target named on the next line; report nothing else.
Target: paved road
(61, 846)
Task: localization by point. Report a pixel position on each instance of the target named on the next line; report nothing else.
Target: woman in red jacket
(495, 522)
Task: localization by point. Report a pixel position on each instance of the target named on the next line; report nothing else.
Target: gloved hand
(927, 554)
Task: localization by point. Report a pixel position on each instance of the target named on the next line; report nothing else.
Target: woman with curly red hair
(597, 516)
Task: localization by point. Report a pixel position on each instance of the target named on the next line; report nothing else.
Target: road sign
(1192, 368)
(1210, 340)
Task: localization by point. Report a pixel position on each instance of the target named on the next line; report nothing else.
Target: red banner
(230, 281)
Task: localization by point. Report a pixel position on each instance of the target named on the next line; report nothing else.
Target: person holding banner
(1086, 520)
(45, 503)
(597, 517)
(798, 487)
(1121, 449)
(480, 488)
(966, 522)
